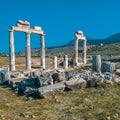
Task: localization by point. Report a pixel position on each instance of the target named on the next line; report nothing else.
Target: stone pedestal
(108, 66)
(66, 62)
(42, 52)
(28, 52)
(11, 51)
(55, 62)
(96, 63)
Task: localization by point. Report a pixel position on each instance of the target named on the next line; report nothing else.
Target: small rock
(108, 117)
(91, 106)
(109, 82)
(33, 116)
(1, 115)
(8, 105)
(5, 99)
(24, 115)
(4, 76)
(29, 98)
(57, 100)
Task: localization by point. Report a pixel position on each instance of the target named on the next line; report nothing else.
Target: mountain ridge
(91, 41)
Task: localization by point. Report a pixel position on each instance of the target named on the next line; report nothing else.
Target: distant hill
(91, 41)
(69, 47)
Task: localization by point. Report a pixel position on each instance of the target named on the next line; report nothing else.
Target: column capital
(42, 34)
(28, 32)
(10, 30)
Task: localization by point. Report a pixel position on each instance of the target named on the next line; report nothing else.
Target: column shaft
(11, 51)
(55, 62)
(96, 63)
(42, 52)
(84, 52)
(76, 52)
(66, 62)
(28, 52)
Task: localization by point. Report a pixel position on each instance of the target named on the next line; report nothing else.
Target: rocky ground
(77, 94)
(84, 104)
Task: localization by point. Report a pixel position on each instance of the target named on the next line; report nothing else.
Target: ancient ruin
(42, 82)
(65, 62)
(24, 26)
(96, 63)
(55, 62)
(79, 36)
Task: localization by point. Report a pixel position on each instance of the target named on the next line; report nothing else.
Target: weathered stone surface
(44, 83)
(108, 66)
(20, 87)
(51, 89)
(74, 84)
(94, 78)
(58, 77)
(45, 80)
(16, 75)
(96, 63)
(31, 92)
(37, 28)
(116, 79)
(68, 75)
(4, 75)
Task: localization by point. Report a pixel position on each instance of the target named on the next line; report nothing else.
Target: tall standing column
(55, 62)
(66, 62)
(84, 52)
(11, 51)
(28, 52)
(76, 52)
(42, 52)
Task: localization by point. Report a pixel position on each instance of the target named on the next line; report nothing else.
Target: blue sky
(59, 19)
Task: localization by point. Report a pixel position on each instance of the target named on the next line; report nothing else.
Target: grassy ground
(112, 49)
(89, 104)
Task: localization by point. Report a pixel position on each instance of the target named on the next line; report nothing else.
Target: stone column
(55, 62)
(11, 51)
(76, 52)
(42, 52)
(84, 51)
(66, 62)
(28, 52)
(96, 63)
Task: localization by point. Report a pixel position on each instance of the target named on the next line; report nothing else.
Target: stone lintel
(37, 28)
(80, 38)
(23, 22)
(41, 32)
(27, 30)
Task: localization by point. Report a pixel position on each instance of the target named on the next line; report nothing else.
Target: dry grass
(89, 104)
(35, 62)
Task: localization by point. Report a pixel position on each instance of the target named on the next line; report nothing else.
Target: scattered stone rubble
(108, 66)
(41, 84)
(4, 76)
